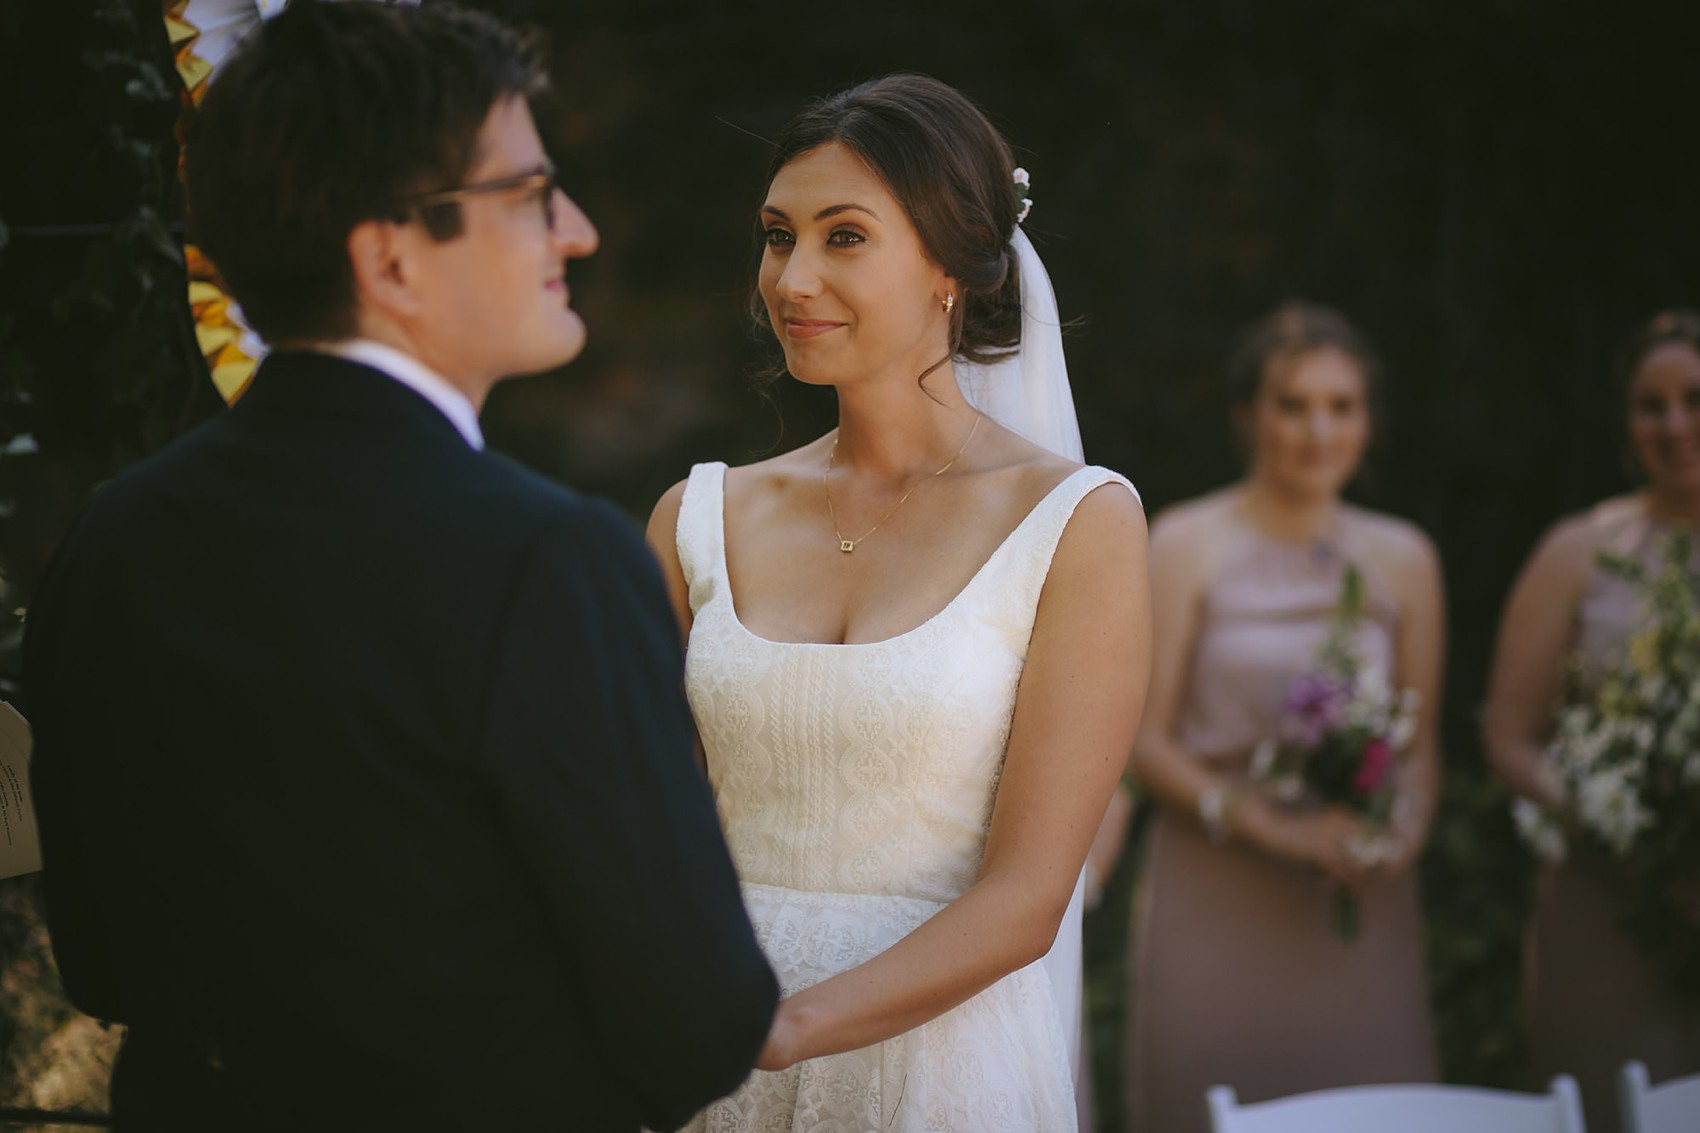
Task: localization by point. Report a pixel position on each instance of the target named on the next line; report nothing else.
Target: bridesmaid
(1239, 976)
(1593, 1001)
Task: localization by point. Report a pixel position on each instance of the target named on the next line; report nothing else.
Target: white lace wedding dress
(855, 784)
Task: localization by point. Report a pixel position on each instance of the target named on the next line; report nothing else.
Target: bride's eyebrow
(834, 210)
(830, 210)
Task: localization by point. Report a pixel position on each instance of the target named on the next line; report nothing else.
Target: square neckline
(738, 621)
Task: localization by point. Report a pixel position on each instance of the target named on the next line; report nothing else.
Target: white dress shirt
(418, 377)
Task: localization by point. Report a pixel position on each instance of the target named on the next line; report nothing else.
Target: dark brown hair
(1678, 324)
(329, 115)
(1290, 330)
(951, 171)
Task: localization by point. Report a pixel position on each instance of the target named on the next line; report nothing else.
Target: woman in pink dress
(1593, 1000)
(1240, 976)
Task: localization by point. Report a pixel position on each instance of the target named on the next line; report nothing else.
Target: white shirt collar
(415, 375)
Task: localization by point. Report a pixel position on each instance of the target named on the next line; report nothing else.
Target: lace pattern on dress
(855, 784)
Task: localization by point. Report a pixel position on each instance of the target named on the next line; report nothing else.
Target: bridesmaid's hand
(1385, 854)
(1329, 839)
(1403, 840)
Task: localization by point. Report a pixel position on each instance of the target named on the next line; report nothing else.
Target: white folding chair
(1672, 1106)
(1403, 1109)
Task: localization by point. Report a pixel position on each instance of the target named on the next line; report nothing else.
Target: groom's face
(496, 297)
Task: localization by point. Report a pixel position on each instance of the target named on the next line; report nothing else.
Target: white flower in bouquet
(1263, 759)
(1652, 689)
(1371, 700)
(1680, 737)
(1641, 737)
(1581, 743)
(1403, 725)
(1538, 829)
(1609, 803)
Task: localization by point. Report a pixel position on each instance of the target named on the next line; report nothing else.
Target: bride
(917, 647)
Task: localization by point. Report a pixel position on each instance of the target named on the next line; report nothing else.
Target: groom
(363, 772)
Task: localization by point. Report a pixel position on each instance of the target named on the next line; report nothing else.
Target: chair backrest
(1670, 1107)
(1403, 1109)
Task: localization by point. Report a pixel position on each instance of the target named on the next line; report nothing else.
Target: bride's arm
(663, 537)
(1075, 713)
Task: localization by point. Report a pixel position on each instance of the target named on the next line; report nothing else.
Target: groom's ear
(384, 258)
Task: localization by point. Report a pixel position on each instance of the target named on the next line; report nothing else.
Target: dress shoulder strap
(701, 532)
(1026, 555)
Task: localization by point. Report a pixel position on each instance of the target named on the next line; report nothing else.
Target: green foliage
(1476, 885)
(98, 365)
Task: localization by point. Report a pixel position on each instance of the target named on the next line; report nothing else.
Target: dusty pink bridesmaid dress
(1238, 975)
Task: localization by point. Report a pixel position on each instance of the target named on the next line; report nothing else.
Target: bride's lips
(559, 286)
(809, 328)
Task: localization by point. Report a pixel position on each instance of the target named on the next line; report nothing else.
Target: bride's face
(849, 288)
(1664, 417)
(1310, 422)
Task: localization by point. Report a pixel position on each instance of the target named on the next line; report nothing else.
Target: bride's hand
(779, 1051)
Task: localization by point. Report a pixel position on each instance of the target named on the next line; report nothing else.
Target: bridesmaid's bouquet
(1627, 760)
(1342, 727)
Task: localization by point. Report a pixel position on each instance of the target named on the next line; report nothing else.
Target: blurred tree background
(1497, 191)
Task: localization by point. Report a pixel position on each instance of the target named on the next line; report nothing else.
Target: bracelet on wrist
(1214, 806)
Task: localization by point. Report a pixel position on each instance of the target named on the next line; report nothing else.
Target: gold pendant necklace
(848, 545)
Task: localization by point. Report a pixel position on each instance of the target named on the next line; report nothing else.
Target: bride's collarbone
(791, 579)
(798, 585)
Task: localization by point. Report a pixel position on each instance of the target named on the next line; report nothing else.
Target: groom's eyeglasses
(542, 181)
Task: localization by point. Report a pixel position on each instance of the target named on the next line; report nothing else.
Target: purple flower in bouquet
(1315, 706)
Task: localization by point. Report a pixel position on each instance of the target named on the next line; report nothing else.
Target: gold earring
(949, 302)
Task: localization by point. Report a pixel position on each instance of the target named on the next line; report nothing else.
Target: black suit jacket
(365, 785)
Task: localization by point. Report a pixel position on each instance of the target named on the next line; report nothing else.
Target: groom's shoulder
(529, 505)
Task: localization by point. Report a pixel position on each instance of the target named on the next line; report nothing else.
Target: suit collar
(301, 380)
(419, 378)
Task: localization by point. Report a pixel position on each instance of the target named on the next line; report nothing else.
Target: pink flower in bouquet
(1315, 706)
(1376, 762)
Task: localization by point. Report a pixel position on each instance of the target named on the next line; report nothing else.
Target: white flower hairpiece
(1023, 185)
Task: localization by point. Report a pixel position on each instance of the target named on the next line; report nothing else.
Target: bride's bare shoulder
(777, 476)
(1029, 470)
